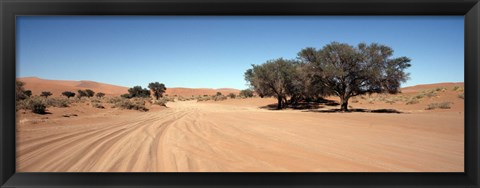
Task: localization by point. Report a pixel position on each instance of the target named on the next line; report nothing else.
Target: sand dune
(37, 85)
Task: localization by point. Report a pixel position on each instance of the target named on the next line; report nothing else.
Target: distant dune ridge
(37, 85)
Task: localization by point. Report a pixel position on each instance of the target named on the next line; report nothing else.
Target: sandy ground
(238, 136)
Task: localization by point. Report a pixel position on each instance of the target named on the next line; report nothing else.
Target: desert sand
(241, 135)
(37, 85)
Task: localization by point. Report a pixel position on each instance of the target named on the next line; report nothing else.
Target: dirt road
(191, 136)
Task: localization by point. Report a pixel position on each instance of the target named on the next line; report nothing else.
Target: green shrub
(443, 105)
(246, 93)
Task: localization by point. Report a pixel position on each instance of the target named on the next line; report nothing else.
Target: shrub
(219, 98)
(19, 90)
(100, 95)
(68, 94)
(161, 101)
(27, 93)
(57, 102)
(114, 100)
(390, 101)
(98, 105)
(46, 94)
(218, 93)
(131, 105)
(412, 100)
(458, 88)
(442, 89)
(35, 104)
(461, 95)
(246, 93)
(126, 95)
(443, 105)
(232, 95)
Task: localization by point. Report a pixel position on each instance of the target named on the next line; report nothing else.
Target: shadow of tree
(390, 111)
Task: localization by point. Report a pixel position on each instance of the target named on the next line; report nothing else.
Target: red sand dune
(37, 85)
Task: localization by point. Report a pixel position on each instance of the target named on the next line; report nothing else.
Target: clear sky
(214, 51)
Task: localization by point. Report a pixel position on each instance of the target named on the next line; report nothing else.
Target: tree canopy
(348, 71)
(157, 88)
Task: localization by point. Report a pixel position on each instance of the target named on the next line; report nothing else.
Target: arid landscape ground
(418, 130)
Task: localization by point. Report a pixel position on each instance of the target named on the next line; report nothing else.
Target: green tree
(157, 88)
(68, 94)
(138, 91)
(81, 93)
(273, 78)
(46, 94)
(90, 93)
(348, 71)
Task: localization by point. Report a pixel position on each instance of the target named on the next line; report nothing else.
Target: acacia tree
(273, 78)
(90, 93)
(138, 91)
(348, 71)
(68, 94)
(157, 88)
(81, 93)
(46, 94)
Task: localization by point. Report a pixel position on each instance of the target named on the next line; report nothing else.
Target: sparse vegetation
(68, 94)
(139, 92)
(100, 95)
(131, 104)
(461, 95)
(246, 93)
(458, 88)
(19, 91)
(157, 88)
(412, 100)
(27, 93)
(442, 105)
(46, 94)
(90, 93)
(232, 95)
(57, 102)
(81, 93)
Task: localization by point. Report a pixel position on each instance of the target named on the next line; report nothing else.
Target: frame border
(9, 9)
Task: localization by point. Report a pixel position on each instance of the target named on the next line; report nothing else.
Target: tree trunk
(344, 104)
(279, 105)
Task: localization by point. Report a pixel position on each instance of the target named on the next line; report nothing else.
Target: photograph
(240, 94)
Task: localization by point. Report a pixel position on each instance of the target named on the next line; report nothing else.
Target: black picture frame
(9, 9)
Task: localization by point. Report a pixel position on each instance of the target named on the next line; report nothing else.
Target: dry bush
(131, 105)
(412, 100)
(458, 88)
(97, 105)
(219, 98)
(442, 105)
(36, 104)
(461, 95)
(161, 101)
(57, 102)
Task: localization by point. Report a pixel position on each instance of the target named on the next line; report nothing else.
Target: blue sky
(214, 51)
